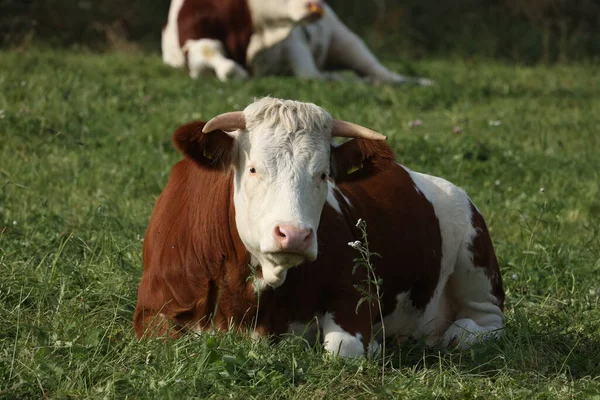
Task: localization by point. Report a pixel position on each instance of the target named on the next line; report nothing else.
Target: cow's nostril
(279, 233)
(308, 233)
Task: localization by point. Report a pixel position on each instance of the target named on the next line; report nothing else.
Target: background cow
(266, 37)
(274, 194)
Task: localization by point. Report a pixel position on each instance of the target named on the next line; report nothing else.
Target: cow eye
(323, 176)
(252, 170)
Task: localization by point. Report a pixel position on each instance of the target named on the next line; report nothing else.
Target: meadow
(85, 149)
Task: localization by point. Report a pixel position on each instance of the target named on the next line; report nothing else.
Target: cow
(255, 228)
(236, 38)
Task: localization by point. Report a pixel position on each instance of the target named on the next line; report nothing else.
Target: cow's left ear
(359, 158)
(213, 150)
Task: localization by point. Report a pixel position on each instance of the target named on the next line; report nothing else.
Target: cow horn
(226, 122)
(348, 129)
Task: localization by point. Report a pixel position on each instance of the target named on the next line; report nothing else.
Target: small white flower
(515, 277)
(14, 222)
(541, 190)
(354, 245)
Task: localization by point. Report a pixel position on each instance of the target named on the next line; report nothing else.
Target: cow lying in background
(233, 38)
(265, 190)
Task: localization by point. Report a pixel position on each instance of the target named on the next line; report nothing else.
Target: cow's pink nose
(293, 239)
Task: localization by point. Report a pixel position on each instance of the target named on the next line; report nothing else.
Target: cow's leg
(345, 332)
(205, 55)
(171, 50)
(347, 50)
(339, 339)
(475, 288)
(300, 58)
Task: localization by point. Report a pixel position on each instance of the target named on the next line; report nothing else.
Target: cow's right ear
(213, 150)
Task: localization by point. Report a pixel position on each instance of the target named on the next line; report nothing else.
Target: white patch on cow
(463, 292)
(339, 342)
(171, 50)
(331, 199)
(279, 12)
(208, 55)
(281, 170)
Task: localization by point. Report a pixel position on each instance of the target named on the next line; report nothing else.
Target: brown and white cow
(265, 190)
(302, 38)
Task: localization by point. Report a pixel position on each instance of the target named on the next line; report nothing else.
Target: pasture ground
(85, 150)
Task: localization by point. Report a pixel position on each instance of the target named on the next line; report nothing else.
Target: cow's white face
(275, 12)
(281, 156)
(281, 172)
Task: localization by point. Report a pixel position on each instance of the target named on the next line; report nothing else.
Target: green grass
(85, 150)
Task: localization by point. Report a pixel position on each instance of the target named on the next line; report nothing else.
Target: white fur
(305, 51)
(331, 199)
(277, 12)
(288, 143)
(208, 55)
(171, 50)
(339, 342)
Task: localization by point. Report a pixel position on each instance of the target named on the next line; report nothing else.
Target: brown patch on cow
(484, 255)
(227, 21)
(402, 227)
(209, 150)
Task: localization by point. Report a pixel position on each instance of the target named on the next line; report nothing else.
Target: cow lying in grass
(265, 190)
(235, 38)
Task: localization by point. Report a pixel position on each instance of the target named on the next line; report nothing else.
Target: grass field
(85, 150)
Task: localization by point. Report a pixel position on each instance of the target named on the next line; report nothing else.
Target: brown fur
(228, 21)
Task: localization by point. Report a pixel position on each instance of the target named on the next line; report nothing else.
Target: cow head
(281, 154)
(275, 12)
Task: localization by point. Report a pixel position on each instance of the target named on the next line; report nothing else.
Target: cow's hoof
(232, 72)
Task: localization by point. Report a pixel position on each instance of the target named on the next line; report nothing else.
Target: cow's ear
(359, 158)
(213, 150)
